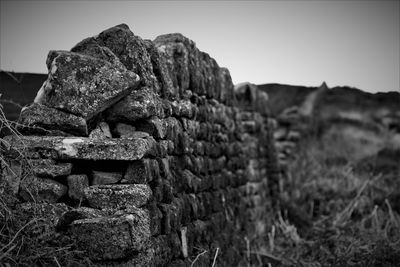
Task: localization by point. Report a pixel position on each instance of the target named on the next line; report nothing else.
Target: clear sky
(353, 43)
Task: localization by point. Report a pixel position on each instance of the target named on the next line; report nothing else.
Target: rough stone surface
(108, 238)
(140, 104)
(91, 47)
(42, 189)
(81, 147)
(100, 177)
(45, 120)
(118, 196)
(132, 52)
(141, 172)
(102, 130)
(68, 217)
(76, 186)
(47, 168)
(161, 70)
(124, 130)
(83, 85)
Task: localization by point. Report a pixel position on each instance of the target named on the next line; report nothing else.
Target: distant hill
(282, 96)
(18, 90)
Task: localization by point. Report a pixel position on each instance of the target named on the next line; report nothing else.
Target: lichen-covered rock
(111, 238)
(183, 108)
(118, 196)
(190, 68)
(37, 118)
(84, 85)
(68, 217)
(101, 131)
(227, 90)
(76, 186)
(123, 130)
(161, 70)
(81, 147)
(100, 177)
(91, 47)
(173, 46)
(141, 172)
(41, 189)
(131, 50)
(154, 126)
(47, 168)
(140, 104)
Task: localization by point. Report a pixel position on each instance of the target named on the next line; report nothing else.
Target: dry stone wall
(148, 147)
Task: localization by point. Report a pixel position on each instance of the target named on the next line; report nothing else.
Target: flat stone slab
(57, 147)
(118, 196)
(112, 238)
(100, 177)
(47, 168)
(40, 119)
(83, 85)
(42, 189)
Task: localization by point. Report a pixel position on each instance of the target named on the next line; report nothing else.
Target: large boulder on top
(131, 51)
(91, 47)
(83, 85)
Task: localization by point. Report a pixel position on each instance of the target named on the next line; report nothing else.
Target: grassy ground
(339, 206)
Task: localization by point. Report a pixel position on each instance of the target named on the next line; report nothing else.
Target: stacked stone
(156, 170)
(289, 127)
(295, 123)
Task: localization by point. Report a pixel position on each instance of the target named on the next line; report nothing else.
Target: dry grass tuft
(332, 212)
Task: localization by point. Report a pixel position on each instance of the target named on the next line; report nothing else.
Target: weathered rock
(91, 47)
(183, 108)
(69, 216)
(110, 238)
(84, 85)
(140, 104)
(154, 126)
(76, 186)
(100, 177)
(227, 91)
(161, 70)
(47, 168)
(118, 196)
(41, 189)
(124, 130)
(81, 147)
(174, 46)
(142, 172)
(37, 118)
(101, 131)
(174, 129)
(131, 50)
